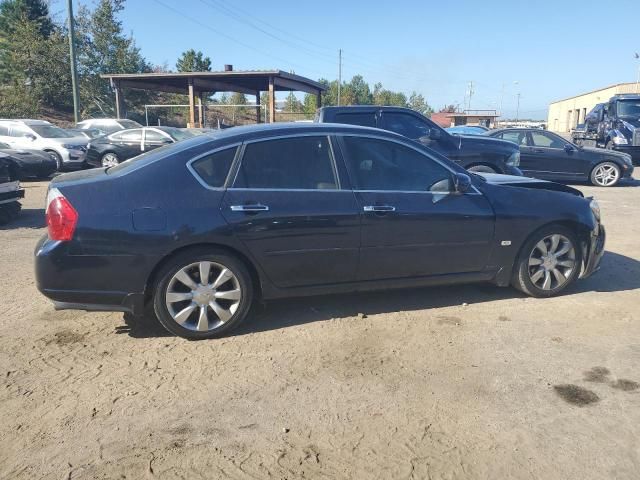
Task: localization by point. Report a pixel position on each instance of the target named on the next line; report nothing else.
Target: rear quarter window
(213, 169)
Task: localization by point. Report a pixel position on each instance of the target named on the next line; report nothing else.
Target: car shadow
(28, 218)
(625, 182)
(618, 273)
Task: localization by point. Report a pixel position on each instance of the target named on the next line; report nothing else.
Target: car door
(554, 157)
(128, 143)
(413, 225)
(287, 205)
(527, 159)
(155, 138)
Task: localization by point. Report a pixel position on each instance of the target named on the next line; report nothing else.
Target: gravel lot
(471, 382)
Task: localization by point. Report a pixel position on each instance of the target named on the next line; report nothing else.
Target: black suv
(475, 153)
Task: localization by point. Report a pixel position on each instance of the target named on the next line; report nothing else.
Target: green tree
(33, 11)
(419, 104)
(192, 61)
(292, 104)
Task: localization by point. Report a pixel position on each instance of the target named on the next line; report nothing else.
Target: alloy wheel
(606, 175)
(203, 296)
(551, 262)
(109, 160)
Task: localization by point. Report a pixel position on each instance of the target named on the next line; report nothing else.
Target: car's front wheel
(549, 262)
(202, 295)
(110, 160)
(605, 174)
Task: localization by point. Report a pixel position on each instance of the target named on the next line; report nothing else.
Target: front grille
(636, 137)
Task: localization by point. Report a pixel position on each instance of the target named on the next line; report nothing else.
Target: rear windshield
(129, 123)
(178, 133)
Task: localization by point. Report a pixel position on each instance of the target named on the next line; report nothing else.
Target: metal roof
(247, 81)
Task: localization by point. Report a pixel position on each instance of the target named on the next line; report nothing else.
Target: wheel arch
(256, 278)
(483, 163)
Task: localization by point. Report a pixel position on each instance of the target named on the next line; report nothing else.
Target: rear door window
(546, 140)
(296, 163)
(364, 119)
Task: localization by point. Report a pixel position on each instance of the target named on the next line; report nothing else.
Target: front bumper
(35, 169)
(632, 150)
(73, 157)
(593, 252)
(11, 196)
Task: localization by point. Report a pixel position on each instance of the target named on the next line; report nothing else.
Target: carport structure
(198, 84)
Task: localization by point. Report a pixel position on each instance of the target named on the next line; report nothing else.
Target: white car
(107, 125)
(69, 150)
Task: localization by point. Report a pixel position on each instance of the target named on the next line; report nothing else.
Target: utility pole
(637, 56)
(518, 107)
(471, 92)
(74, 69)
(339, 73)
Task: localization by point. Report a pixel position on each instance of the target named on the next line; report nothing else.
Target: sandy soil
(444, 383)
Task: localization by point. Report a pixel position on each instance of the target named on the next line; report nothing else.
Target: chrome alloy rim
(551, 262)
(606, 175)
(203, 296)
(109, 160)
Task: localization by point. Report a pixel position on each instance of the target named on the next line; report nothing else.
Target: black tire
(56, 155)
(522, 271)
(598, 181)
(182, 260)
(482, 169)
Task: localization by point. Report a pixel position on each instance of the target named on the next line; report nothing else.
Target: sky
(543, 50)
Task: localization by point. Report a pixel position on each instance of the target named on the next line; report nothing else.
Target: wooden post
(319, 99)
(258, 106)
(116, 90)
(192, 105)
(200, 111)
(272, 101)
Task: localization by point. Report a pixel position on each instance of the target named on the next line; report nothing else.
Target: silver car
(69, 150)
(107, 126)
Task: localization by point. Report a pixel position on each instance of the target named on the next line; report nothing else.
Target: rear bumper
(85, 282)
(594, 252)
(11, 196)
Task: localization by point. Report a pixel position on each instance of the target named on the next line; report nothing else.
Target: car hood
(26, 154)
(485, 143)
(81, 141)
(604, 154)
(527, 182)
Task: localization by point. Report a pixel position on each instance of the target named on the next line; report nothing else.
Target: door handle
(249, 208)
(379, 208)
(538, 150)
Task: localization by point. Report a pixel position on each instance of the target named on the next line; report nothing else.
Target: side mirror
(461, 183)
(568, 148)
(434, 134)
(30, 136)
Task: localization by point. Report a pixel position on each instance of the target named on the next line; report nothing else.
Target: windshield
(629, 108)
(178, 133)
(49, 131)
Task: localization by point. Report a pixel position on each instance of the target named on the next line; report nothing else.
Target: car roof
(26, 121)
(356, 108)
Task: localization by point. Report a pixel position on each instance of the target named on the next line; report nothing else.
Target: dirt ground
(472, 382)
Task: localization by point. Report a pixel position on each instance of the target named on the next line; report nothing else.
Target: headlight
(619, 140)
(69, 147)
(513, 160)
(595, 209)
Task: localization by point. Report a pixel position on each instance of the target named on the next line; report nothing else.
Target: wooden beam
(192, 104)
(154, 87)
(258, 106)
(200, 110)
(272, 101)
(287, 84)
(116, 90)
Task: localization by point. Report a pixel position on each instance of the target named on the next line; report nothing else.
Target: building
(565, 114)
(485, 118)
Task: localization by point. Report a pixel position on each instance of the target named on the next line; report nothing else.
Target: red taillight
(61, 216)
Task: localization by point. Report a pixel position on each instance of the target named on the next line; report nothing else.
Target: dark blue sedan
(200, 229)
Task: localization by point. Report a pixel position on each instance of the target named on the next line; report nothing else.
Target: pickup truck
(476, 153)
(614, 125)
(10, 192)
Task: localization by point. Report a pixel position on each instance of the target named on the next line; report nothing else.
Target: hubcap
(109, 160)
(551, 262)
(203, 296)
(606, 175)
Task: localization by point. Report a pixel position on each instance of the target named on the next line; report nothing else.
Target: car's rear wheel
(605, 174)
(202, 295)
(109, 159)
(482, 169)
(549, 262)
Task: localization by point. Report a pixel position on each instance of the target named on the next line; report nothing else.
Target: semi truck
(614, 125)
